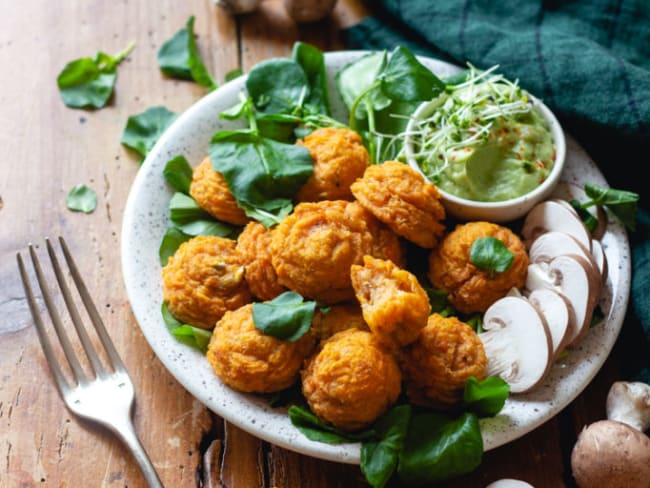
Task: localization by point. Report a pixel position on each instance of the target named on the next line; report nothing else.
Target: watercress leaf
(486, 397)
(261, 173)
(358, 78)
(623, 204)
(277, 85)
(312, 61)
(233, 73)
(179, 57)
(188, 217)
(178, 173)
(89, 82)
(379, 457)
(278, 127)
(406, 79)
(491, 254)
(185, 333)
(287, 317)
(268, 218)
(82, 198)
(316, 430)
(439, 447)
(143, 130)
(586, 216)
(169, 243)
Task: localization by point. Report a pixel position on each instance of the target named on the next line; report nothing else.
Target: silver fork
(106, 398)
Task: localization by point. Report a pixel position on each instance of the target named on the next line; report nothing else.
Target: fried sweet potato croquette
(313, 248)
(210, 191)
(394, 304)
(336, 319)
(339, 158)
(468, 288)
(400, 197)
(437, 365)
(352, 380)
(253, 247)
(247, 360)
(203, 279)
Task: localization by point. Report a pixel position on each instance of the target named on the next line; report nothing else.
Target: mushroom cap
(509, 483)
(629, 402)
(555, 215)
(570, 191)
(611, 454)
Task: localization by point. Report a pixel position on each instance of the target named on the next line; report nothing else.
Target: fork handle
(126, 432)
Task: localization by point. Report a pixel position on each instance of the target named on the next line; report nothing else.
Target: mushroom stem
(629, 402)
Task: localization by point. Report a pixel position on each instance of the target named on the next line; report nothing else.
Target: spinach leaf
(277, 85)
(179, 57)
(82, 198)
(185, 333)
(287, 317)
(188, 217)
(491, 254)
(622, 203)
(439, 447)
(143, 130)
(316, 430)
(267, 219)
(178, 173)
(312, 61)
(405, 79)
(358, 79)
(379, 458)
(261, 173)
(89, 82)
(485, 398)
(169, 244)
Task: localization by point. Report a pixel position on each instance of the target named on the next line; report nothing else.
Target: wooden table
(48, 148)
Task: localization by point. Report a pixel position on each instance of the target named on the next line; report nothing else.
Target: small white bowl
(506, 210)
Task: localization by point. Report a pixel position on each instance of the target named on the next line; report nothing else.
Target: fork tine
(92, 310)
(60, 380)
(74, 314)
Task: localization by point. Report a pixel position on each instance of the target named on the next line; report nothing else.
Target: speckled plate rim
(145, 220)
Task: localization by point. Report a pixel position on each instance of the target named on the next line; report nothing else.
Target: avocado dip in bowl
(492, 149)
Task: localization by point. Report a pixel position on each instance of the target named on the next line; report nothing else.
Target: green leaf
(486, 398)
(143, 130)
(405, 79)
(312, 61)
(188, 217)
(268, 219)
(277, 85)
(287, 317)
(89, 82)
(379, 458)
(439, 447)
(358, 79)
(233, 74)
(82, 199)
(491, 254)
(586, 216)
(185, 333)
(179, 57)
(169, 244)
(623, 204)
(178, 173)
(316, 430)
(261, 173)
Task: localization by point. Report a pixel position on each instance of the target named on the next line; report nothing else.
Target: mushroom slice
(517, 343)
(553, 215)
(556, 311)
(570, 191)
(600, 259)
(570, 276)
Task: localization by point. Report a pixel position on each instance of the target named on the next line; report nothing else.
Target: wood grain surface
(48, 148)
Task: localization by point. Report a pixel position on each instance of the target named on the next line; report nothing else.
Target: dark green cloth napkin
(588, 60)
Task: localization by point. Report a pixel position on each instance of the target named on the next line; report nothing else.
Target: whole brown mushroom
(304, 11)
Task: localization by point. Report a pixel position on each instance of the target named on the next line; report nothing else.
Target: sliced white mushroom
(517, 343)
(570, 276)
(570, 191)
(600, 259)
(556, 311)
(552, 215)
(509, 483)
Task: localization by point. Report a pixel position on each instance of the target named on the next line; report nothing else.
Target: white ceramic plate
(146, 219)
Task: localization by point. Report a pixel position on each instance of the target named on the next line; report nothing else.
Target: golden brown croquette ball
(339, 158)
(468, 288)
(253, 245)
(247, 360)
(437, 365)
(352, 380)
(203, 279)
(394, 304)
(210, 191)
(313, 248)
(400, 197)
(336, 318)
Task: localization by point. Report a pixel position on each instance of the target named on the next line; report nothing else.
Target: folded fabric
(588, 60)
